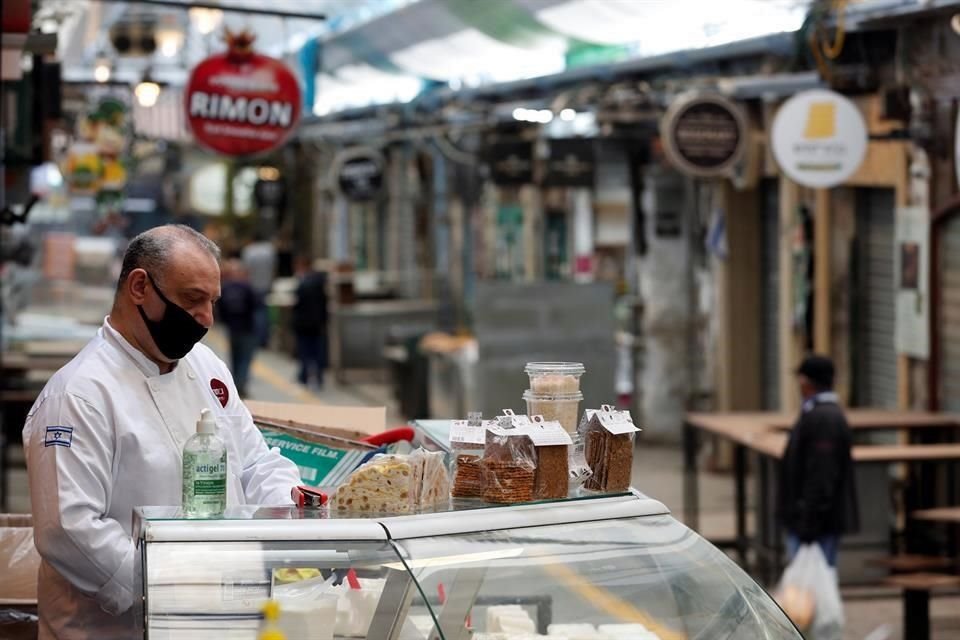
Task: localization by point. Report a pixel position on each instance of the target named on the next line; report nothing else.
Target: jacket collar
(824, 397)
(145, 364)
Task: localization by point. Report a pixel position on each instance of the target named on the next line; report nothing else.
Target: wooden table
(949, 515)
(765, 435)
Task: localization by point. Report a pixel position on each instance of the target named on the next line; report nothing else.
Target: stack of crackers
(507, 481)
(467, 477)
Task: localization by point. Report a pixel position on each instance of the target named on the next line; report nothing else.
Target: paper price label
(462, 432)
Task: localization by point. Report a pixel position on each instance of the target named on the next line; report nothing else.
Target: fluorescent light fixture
(693, 23)
(475, 58)
(360, 85)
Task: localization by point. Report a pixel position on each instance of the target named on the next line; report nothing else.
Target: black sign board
(705, 135)
(570, 163)
(360, 176)
(511, 163)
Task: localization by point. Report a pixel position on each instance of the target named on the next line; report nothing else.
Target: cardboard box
(351, 423)
(322, 440)
(19, 560)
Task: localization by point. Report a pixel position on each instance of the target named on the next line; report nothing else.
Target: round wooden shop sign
(240, 102)
(704, 135)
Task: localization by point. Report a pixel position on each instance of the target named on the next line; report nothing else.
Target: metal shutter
(949, 316)
(876, 359)
(770, 305)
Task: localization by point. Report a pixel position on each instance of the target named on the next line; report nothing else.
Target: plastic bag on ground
(809, 595)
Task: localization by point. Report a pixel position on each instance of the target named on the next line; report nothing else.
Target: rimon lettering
(258, 111)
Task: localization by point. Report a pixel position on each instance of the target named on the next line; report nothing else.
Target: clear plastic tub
(561, 407)
(554, 377)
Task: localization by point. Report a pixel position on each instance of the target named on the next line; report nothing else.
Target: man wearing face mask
(106, 434)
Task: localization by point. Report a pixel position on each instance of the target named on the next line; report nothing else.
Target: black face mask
(176, 332)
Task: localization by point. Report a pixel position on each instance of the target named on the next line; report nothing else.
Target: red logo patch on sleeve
(220, 391)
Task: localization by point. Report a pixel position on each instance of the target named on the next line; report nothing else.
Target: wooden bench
(916, 599)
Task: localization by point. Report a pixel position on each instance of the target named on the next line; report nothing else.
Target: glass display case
(614, 567)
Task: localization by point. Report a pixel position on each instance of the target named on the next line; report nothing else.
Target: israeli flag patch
(59, 437)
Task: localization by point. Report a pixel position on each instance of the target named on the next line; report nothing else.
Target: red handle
(391, 436)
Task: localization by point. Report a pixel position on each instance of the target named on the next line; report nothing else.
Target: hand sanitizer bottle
(205, 471)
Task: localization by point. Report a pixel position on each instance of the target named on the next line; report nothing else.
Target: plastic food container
(554, 377)
(561, 407)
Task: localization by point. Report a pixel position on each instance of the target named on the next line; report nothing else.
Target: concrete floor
(873, 613)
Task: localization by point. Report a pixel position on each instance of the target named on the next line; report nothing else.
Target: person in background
(237, 309)
(817, 497)
(107, 431)
(309, 320)
(260, 259)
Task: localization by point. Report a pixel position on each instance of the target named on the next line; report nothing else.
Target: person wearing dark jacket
(309, 320)
(237, 309)
(817, 498)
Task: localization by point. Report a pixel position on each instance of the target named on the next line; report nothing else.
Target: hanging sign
(242, 103)
(704, 135)
(912, 274)
(819, 138)
(570, 163)
(511, 163)
(358, 173)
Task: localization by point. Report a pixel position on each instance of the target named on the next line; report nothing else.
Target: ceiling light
(169, 41)
(147, 91)
(520, 114)
(268, 173)
(206, 20)
(101, 72)
(544, 116)
(568, 115)
(955, 23)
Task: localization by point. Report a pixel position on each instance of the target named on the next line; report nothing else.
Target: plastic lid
(575, 396)
(547, 368)
(206, 423)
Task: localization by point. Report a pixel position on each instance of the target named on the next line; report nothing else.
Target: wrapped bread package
(433, 482)
(608, 436)
(385, 484)
(395, 484)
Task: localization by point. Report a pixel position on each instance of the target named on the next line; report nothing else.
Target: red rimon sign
(240, 102)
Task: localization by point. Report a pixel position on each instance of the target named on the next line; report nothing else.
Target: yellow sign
(821, 121)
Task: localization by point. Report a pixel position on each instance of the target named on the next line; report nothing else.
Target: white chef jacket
(106, 435)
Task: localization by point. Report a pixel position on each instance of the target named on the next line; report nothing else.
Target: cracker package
(509, 461)
(608, 435)
(467, 440)
(552, 449)
(385, 484)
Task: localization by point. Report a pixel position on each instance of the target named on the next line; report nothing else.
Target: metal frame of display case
(160, 525)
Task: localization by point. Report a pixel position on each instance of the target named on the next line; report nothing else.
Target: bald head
(155, 250)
